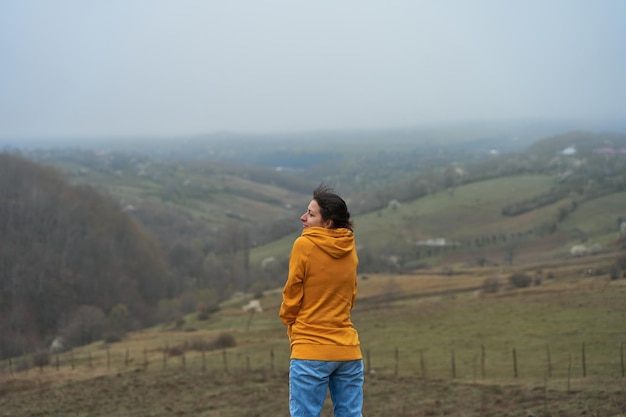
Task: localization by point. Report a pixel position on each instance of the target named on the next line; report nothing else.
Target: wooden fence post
(545, 395)
(584, 360)
(165, 351)
(482, 361)
(474, 368)
(621, 357)
(452, 358)
(203, 360)
(225, 359)
(569, 374)
(41, 364)
(422, 363)
(549, 361)
(126, 358)
(514, 362)
(108, 357)
(272, 361)
(145, 357)
(396, 359)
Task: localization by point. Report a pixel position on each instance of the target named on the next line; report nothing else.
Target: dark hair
(332, 207)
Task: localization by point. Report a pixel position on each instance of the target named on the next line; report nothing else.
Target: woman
(317, 300)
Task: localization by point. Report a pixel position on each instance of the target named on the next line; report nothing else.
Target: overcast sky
(98, 68)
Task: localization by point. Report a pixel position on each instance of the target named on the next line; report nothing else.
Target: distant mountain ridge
(255, 148)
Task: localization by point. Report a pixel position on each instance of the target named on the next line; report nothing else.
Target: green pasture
(558, 323)
(473, 209)
(597, 220)
(446, 336)
(469, 211)
(451, 336)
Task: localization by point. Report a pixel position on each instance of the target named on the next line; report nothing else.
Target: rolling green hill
(471, 216)
(402, 189)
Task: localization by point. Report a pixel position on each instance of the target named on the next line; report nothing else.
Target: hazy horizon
(157, 68)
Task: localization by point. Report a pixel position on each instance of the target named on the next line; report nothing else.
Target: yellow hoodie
(319, 295)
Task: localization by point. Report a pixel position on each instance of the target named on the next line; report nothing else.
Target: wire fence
(461, 364)
(479, 365)
(515, 364)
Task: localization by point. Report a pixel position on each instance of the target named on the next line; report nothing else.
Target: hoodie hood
(335, 242)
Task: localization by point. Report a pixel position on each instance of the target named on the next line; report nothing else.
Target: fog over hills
(265, 149)
(189, 68)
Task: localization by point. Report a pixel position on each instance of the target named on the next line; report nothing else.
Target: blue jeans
(309, 380)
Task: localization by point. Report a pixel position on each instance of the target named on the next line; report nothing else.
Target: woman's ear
(328, 223)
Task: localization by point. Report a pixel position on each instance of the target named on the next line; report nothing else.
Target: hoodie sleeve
(293, 289)
(354, 292)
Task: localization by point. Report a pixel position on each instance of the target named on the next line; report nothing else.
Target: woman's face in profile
(312, 217)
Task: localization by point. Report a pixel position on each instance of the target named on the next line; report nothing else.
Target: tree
(119, 320)
(84, 326)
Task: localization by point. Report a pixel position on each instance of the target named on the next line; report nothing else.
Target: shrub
(176, 350)
(615, 271)
(223, 340)
(257, 290)
(491, 285)
(207, 298)
(200, 344)
(187, 303)
(203, 315)
(119, 320)
(167, 310)
(22, 365)
(41, 358)
(206, 308)
(520, 280)
(112, 337)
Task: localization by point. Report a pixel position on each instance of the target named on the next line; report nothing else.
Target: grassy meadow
(471, 210)
(475, 210)
(597, 222)
(434, 344)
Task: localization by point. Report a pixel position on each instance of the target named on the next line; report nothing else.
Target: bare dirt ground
(259, 394)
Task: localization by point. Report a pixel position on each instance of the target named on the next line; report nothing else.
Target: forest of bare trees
(63, 247)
